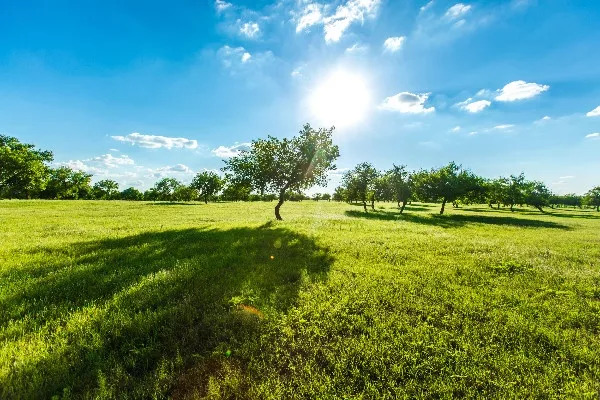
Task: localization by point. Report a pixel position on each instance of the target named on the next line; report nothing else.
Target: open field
(142, 300)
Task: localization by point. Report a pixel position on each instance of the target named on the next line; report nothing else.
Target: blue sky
(137, 90)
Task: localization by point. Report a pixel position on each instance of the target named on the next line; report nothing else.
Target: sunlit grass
(142, 300)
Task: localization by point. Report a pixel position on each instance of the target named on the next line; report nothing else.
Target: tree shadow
(455, 220)
(174, 203)
(558, 213)
(120, 311)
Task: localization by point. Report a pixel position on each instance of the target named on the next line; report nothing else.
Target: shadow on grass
(454, 220)
(120, 312)
(174, 203)
(559, 213)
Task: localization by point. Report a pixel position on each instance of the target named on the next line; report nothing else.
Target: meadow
(120, 299)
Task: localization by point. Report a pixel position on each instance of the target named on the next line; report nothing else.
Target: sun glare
(341, 99)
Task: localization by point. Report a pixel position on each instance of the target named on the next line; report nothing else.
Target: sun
(341, 99)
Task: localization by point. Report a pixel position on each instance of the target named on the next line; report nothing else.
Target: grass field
(141, 300)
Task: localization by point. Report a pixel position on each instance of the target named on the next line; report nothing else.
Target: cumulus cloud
(594, 113)
(594, 135)
(394, 43)
(474, 106)
(250, 29)
(99, 165)
(311, 15)
(406, 102)
(168, 170)
(156, 142)
(110, 161)
(221, 5)
(231, 56)
(457, 11)
(519, 90)
(345, 15)
(231, 151)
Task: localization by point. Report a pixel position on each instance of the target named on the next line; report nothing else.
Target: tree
(131, 194)
(23, 172)
(446, 184)
(326, 196)
(340, 194)
(592, 198)
(286, 164)
(359, 182)
(236, 191)
(207, 184)
(494, 191)
(536, 194)
(514, 191)
(106, 190)
(400, 184)
(65, 183)
(164, 189)
(185, 193)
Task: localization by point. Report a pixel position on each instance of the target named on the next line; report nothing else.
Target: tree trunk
(373, 203)
(403, 205)
(365, 205)
(278, 206)
(443, 206)
(205, 199)
(498, 206)
(511, 207)
(598, 208)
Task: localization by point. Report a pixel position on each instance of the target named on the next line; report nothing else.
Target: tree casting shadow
(454, 220)
(132, 305)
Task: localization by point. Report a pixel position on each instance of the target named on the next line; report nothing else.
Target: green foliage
(279, 165)
(400, 185)
(106, 189)
(592, 198)
(359, 183)
(131, 194)
(164, 189)
(207, 184)
(67, 184)
(536, 194)
(154, 300)
(23, 170)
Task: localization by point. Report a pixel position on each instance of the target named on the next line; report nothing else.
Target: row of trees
(279, 169)
(450, 184)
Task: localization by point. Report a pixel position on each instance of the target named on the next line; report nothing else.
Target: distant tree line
(451, 184)
(279, 170)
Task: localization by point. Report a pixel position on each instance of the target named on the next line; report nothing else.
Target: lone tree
(537, 195)
(446, 184)
(280, 165)
(400, 183)
(207, 184)
(592, 198)
(106, 189)
(360, 181)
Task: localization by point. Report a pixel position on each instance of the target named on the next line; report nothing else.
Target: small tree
(185, 193)
(164, 189)
(65, 183)
(359, 182)
(446, 184)
(105, 190)
(592, 198)
(536, 194)
(207, 184)
(131, 194)
(326, 196)
(514, 190)
(286, 164)
(400, 183)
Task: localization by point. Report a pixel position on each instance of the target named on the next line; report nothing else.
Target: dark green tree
(23, 169)
(592, 198)
(359, 182)
(536, 194)
(400, 183)
(106, 189)
(68, 184)
(165, 188)
(208, 184)
(131, 194)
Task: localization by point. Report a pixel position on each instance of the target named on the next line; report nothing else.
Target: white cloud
(232, 151)
(405, 102)
(310, 16)
(457, 11)
(99, 165)
(474, 106)
(593, 135)
(566, 177)
(357, 49)
(504, 126)
(519, 90)
(426, 6)
(115, 150)
(250, 29)
(110, 161)
(221, 5)
(246, 57)
(156, 142)
(297, 72)
(393, 44)
(455, 129)
(345, 15)
(594, 113)
(233, 55)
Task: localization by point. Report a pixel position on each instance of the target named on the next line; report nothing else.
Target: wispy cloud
(474, 106)
(310, 16)
(393, 44)
(221, 5)
(594, 135)
(156, 141)
(455, 129)
(406, 102)
(520, 90)
(503, 127)
(250, 30)
(231, 151)
(457, 11)
(357, 48)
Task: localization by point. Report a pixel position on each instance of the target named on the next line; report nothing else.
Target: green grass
(141, 300)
